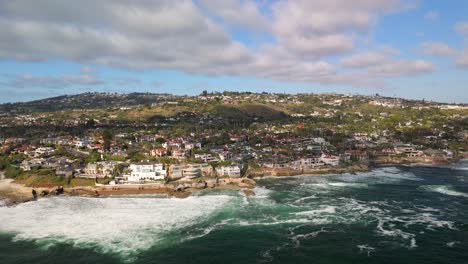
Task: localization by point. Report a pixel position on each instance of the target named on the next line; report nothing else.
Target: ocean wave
(325, 209)
(333, 184)
(385, 175)
(366, 249)
(118, 225)
(443, 189)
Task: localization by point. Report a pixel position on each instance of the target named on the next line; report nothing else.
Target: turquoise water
(389, 215)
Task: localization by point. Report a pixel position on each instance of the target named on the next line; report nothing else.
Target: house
(357, 155)
(159, 152)
(206, 157)
(225, 155)
(233, 171)
(66, 170)
(320, 141)
(176, 171)
(28, 165)
(43, 151)
(196, 170)
(309, 161)
(146, 171)
(83, 143)
(174, 143)
(408, 150)
(180, 154)
(100, 169)
(192, 145)
(330, 159)
(237, 138)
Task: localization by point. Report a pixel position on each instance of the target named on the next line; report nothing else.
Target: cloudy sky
(406, 48)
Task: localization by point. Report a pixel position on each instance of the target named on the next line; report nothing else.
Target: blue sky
(411, 49)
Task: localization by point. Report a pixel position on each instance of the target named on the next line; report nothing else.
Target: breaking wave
(443, 189)
(123, 225)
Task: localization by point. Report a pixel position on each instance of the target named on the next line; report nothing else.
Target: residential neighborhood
(232, 135)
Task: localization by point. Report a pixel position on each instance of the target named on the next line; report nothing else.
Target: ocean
(402, 214)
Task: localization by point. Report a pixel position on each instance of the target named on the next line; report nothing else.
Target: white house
(206, 157)
(100, 169)
(330, 160)
(44, 151)
(146, 171)
(233, 171)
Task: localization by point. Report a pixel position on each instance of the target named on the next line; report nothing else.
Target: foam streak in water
(124, 225)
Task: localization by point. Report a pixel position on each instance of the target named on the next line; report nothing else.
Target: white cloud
(364, 59)
(138, 35)
(243, 13)
(87, 70)
(403, 68)
(432, 15)
(380, 65)
(462, 60)
(51, 82)
(437, 49)
(316, 28)
(462, 28)
(187, 36)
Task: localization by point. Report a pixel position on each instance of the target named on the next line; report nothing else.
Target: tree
(107, 137)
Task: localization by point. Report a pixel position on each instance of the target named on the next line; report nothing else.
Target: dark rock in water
(249, 192)
(44, 193)
(59, 191)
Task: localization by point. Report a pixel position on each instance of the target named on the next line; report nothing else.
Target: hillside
(84, 101)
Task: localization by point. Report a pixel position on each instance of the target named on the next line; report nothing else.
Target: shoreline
(12, 193)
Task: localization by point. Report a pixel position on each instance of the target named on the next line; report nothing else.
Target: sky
(415, 49)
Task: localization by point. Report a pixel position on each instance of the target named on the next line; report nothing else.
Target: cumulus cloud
(51, 82)
(242, 13)
(379, 64)
(403, 68)
(462, 28)
(364, 60)
(87, 70)
(432, 15)
(462, 60)
(316, 29)
(437, 49)
(137, 35)
(188, 36)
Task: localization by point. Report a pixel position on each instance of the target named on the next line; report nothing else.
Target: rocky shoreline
(287, 171)
(12, 193)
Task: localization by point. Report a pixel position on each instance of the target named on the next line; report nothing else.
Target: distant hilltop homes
(146, 138)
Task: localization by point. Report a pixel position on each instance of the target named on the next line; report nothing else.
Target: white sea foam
(348, 184)
(366, 249)
(296, 239)
(326, 209)
(261, 192)
(384, 175)
(452, 244)
(443, 189)
(300, 200)
(122, 225)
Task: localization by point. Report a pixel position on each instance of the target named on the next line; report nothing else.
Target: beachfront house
(146, 171)
(100, 169)
(330, 159)
(233, 171)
